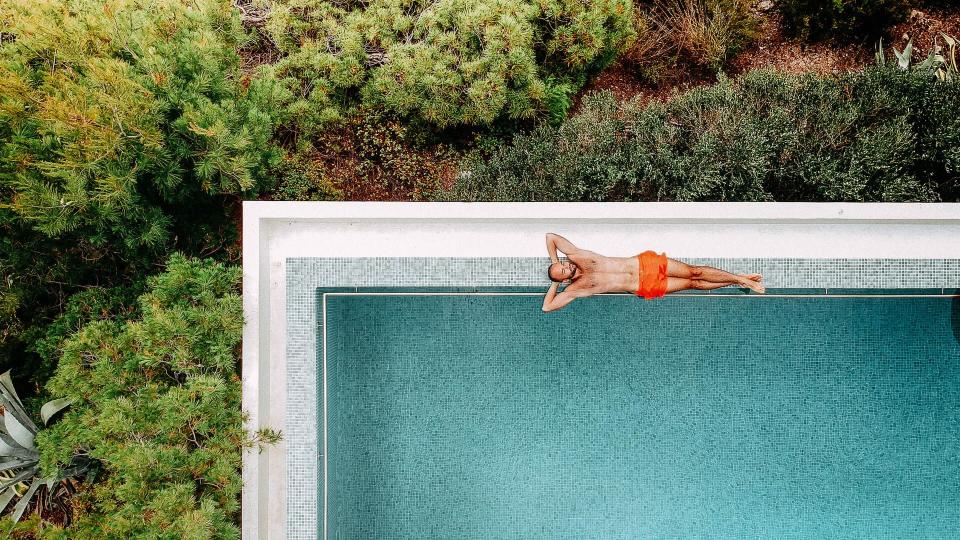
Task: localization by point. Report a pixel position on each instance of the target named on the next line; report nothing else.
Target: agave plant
(944, 62)
(19, 457)
(940, 62)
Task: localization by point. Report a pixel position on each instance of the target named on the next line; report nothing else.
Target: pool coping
(381, 238)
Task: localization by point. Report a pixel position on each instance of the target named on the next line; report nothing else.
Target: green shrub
(23, 529)
(933, 110)
(370, 156)
(156, 400)
(126, 131)
(450, 62)
(117, 111)
(301, 181)
(817, 19)
(878, 135)
(38, 277)
(90, 304)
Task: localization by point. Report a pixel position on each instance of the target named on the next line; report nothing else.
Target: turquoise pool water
(685, 417)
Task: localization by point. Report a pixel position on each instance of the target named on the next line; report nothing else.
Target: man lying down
(649, 275)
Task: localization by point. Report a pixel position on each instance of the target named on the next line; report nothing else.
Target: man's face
(566, 271)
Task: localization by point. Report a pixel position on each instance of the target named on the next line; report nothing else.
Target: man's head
(562, 271)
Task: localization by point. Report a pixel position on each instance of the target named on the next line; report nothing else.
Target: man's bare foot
(753, 282)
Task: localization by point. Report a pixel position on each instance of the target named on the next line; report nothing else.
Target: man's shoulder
(584, 286)
(585, 255)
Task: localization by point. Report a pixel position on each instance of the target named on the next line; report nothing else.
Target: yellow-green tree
(112, 110)
(125, 128)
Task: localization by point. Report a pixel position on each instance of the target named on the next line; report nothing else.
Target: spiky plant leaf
(11, 401)
(17, 431)
(952, 43)
(14, 463)
(903, 58)
(19, 456)
(10, 447)
(24, 475)
(930, 63)
(25, 500)
(5, 497)
(7, 388)
(51, 408)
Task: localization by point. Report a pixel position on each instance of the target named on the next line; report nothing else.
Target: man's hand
(551, 294)
(553, 301)
(555, 242)
(552, 247)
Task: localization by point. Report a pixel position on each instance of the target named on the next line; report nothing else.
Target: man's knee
(698, 284)
(696, 272)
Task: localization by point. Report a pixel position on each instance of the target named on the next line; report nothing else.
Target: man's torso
(606, 274)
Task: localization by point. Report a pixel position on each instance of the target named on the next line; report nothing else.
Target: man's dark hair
(549, 275)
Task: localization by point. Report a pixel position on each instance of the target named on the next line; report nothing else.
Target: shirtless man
(648, 275)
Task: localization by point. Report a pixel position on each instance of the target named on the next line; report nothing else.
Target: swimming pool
(297, 254)
(700, 416)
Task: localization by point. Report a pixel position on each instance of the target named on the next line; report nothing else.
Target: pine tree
(449, 62)
(113, 112)
(156, 399)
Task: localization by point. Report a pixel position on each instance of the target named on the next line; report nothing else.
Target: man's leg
(679, 269)
(675, 284)
(708, 273)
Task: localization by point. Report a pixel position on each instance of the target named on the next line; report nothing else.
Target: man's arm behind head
(561, 243)
(555, 302)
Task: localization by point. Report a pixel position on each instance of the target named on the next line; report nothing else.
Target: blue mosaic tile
(888, 291)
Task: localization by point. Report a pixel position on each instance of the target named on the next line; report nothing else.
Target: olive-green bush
(88, 305)
(449, 62)
(878, 135)
(156, 400)
(111, 110)
(127, 128)
(845, 19)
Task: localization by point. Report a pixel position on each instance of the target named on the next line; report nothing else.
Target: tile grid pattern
(305, 275)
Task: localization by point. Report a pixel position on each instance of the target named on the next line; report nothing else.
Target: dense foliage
(816, 19)
(450, 62)
(157, 401)
(110, 110)
(878, 135)
(368, 155)
(125, 126)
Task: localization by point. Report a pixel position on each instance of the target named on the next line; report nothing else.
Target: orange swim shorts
(653, 275)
